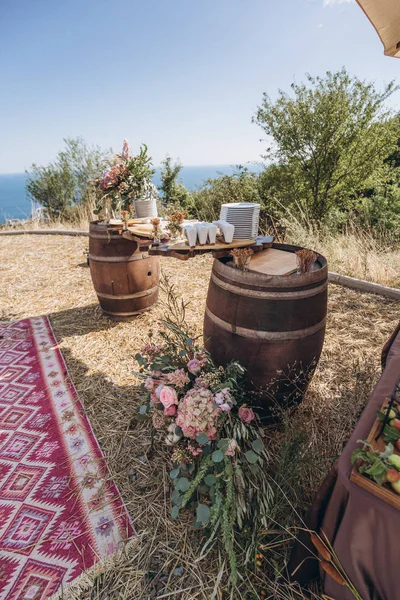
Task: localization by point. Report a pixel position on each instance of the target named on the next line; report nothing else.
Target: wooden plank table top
(182, 251)
(273, 262)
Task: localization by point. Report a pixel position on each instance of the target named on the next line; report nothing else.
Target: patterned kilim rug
(60, 514)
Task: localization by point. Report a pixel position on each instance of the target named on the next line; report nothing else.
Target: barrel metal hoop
(128, 296)
(124, 314)
(268, 295)
(116, 259)
(249, 278)
(104, 236)
(265, 335)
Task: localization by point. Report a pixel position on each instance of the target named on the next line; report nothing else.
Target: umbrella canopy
(385, 17)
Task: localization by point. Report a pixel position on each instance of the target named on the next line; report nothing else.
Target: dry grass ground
(43, 275)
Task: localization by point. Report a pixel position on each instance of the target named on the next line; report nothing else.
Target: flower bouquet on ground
(217, 455)
(128, 182)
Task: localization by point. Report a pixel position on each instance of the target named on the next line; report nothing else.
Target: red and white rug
(60, 513)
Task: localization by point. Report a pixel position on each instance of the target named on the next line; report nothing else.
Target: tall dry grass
(356, 252)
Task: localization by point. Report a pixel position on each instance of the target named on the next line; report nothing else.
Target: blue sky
(184, 76)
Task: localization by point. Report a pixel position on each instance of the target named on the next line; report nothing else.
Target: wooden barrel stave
(273, 325)
(125, 279)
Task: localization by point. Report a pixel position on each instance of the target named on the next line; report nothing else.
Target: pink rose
(170, 411)
(168, 396)
(246, 414)
(194, 366)
(225, 407)
(149, 383)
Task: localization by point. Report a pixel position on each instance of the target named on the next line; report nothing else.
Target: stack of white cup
(204, 232)
(227, 230)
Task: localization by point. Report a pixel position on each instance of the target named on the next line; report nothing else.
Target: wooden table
(182, 251)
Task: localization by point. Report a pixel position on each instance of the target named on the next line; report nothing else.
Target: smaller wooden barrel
(273, 325)
(125, 279)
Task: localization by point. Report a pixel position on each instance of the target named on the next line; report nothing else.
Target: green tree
(172, 190)
(64, 182)
(330, 134)
(241, 186)
(53, 187)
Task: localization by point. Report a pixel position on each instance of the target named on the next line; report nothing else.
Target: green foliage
(374, 463)
(241, 186)
(53, 187)
(64, 182)
(173, 191)
(326, 138)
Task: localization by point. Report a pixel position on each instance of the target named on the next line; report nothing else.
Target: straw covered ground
(46, 275)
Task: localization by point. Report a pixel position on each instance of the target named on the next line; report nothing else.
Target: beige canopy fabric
(385, 17)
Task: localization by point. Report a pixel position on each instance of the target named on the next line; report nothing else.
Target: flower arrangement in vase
(127, 183)
(175, 220)
(200, 412)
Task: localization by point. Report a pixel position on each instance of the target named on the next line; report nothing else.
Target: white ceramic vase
(145, 208)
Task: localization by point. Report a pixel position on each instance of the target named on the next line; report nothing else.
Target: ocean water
(15, 204)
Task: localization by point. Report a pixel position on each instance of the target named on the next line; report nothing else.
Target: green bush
(241, 186)
(64, 183)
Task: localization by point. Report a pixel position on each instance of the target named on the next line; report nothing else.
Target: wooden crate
(384, 492)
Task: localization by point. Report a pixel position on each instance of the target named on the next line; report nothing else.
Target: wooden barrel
(273, 325)
(125, 279)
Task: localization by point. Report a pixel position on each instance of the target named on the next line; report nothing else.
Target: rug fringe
(86, 580)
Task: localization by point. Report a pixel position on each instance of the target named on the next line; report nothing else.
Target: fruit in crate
(381, 467)
(395, 423)
(392, 475)
(394, 459)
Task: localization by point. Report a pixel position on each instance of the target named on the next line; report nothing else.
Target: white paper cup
(191, 235)
(202, 233)
(212, 232)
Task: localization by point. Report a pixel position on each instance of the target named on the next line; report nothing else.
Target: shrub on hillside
(64, 183)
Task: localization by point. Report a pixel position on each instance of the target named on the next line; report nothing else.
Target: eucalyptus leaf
(183, 484)
(143, 409)
(174, 473)
(140, 359)
(223, 444)
(177, 498)
(202, 514)
(257, 445)
(251, 457)
(202, 439)
(175, 512)
(210, 480)
(217, 456)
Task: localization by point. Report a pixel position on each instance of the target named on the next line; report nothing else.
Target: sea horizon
(15, 203)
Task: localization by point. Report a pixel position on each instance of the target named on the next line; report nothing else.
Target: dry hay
(48, 276)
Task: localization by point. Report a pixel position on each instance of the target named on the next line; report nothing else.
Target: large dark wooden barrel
(125, 278)
(273, 325)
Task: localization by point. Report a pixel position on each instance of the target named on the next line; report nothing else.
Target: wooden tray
(273, 262)
(384, 492)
